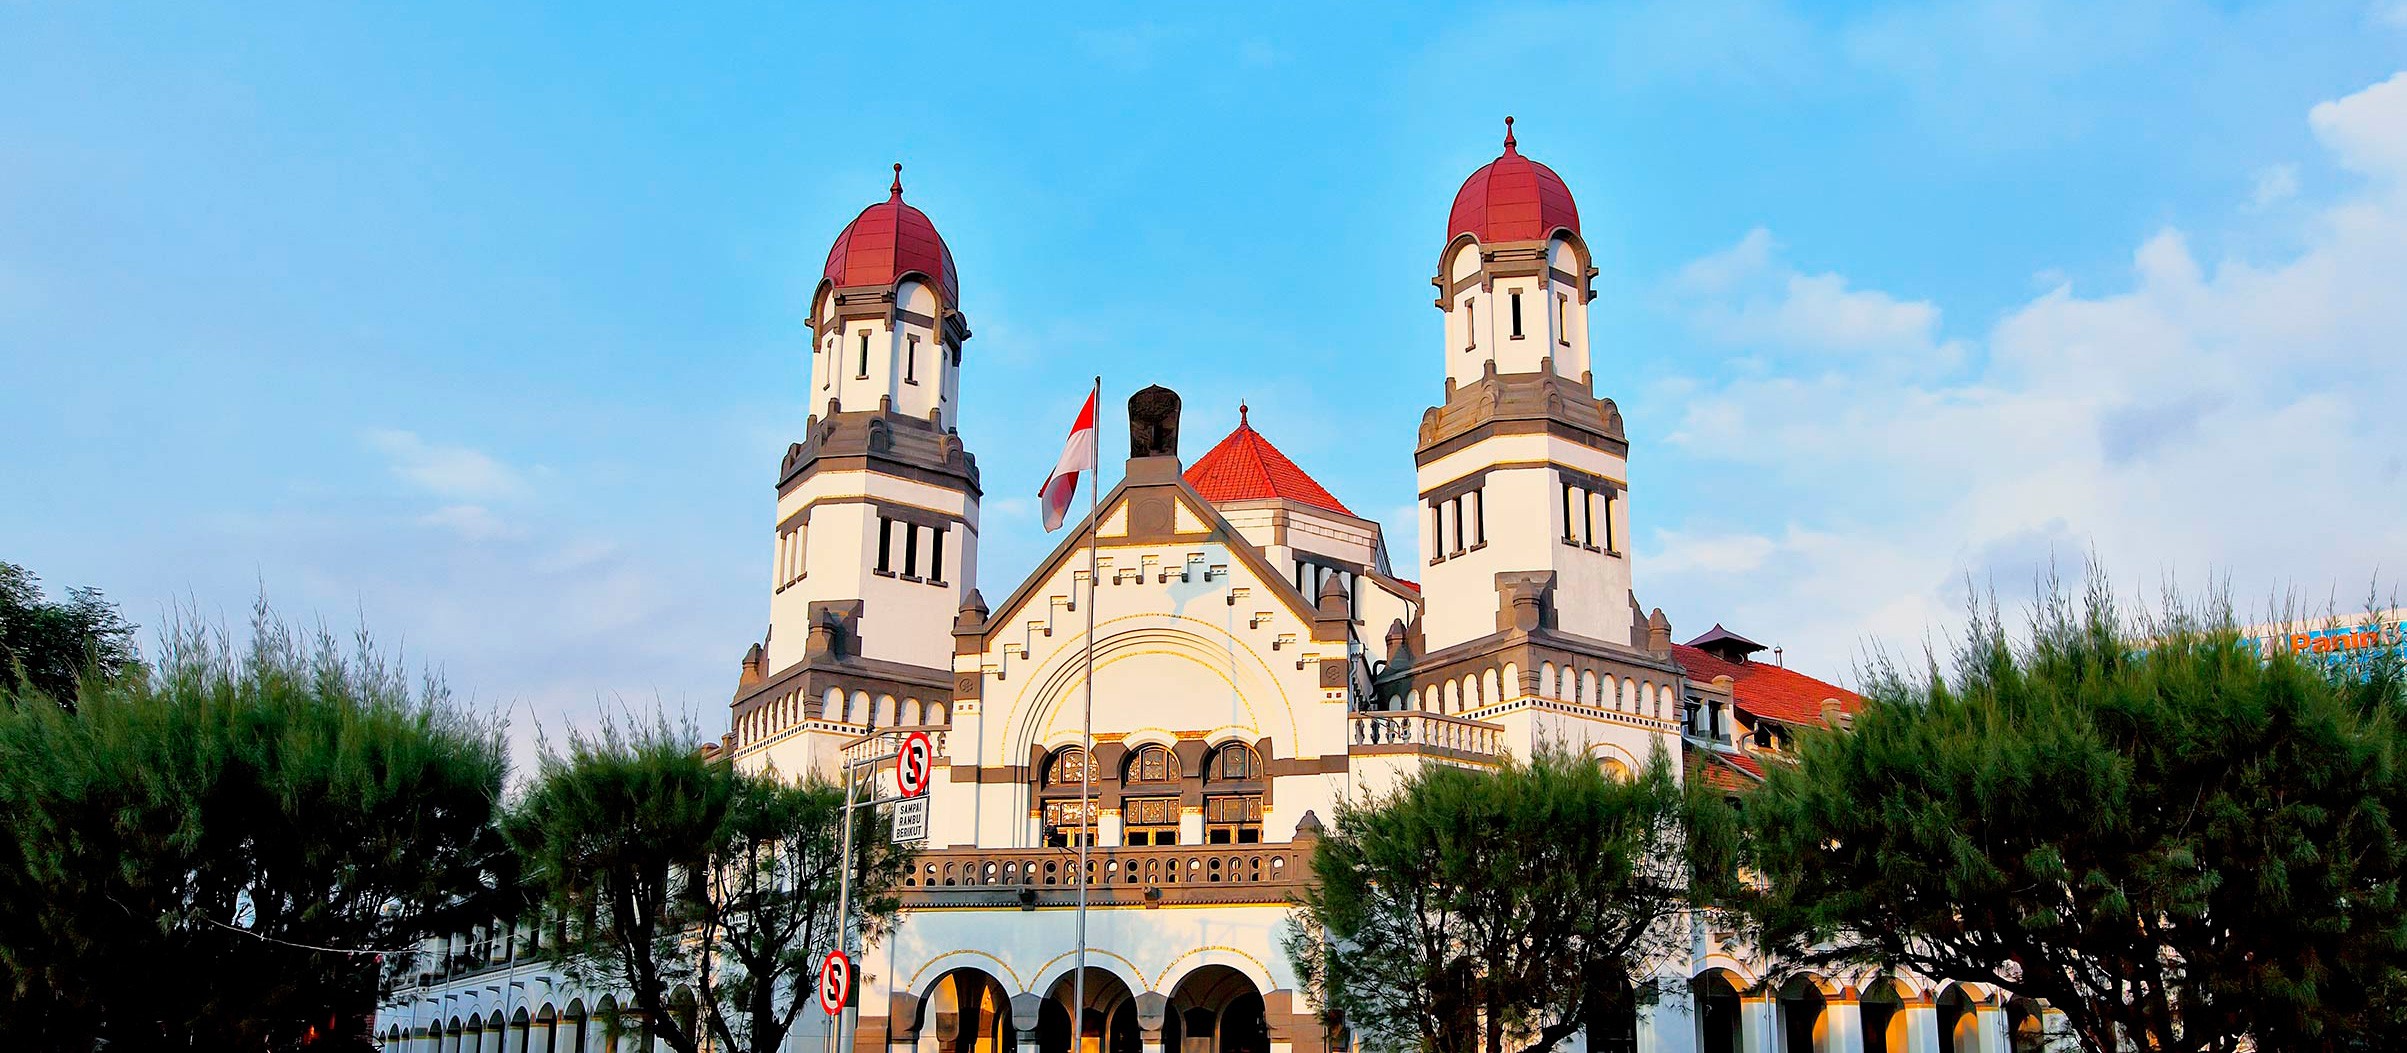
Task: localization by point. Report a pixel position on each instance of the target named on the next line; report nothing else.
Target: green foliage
(2173, 840)
(772, 912)
(164, 847)
(614, 837)
(1468, 909)
(46, 648)
(679, 877)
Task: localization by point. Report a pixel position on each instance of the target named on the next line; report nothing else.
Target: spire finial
(1241, 414)
(897, 189)
(1508, 135)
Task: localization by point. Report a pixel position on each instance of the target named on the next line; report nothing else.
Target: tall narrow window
(1471, 324)
(1479, 516)
(936, 557)
(1588, 510)
(827, 377)
(910, 550)
(1457, 506)
(1437, 531)
(885, 545)
(1571, 519)
(863, 374)
(1608, 499)
(911, 359)
(1516, 314)
(1563, 319)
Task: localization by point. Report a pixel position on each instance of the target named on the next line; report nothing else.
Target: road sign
(910, 820)
(914, 763)
(835, 982)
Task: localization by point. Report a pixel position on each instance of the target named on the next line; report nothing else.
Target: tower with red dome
(1523, 469)
(877, 505)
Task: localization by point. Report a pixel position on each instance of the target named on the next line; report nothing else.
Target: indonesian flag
(1077, 455)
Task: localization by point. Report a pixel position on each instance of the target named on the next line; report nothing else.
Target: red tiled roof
(1512, 198)
(1246, 467)
(1767, 690)
(1722, 771)
(888, 240)
(1413, 585)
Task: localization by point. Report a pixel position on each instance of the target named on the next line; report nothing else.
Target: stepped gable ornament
(1153, 423)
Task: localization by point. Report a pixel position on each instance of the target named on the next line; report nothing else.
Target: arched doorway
(2026, 1026)
(1216, 1009)
(1106, 1024)
(1718, 1022)
(1804, 1016)
(968, 1011)
(1959, 1025)
(1883, 1009)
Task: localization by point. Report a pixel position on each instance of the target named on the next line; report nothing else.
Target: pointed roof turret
(1246, 467)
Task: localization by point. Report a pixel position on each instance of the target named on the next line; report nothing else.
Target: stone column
(1153, 1010)
(1922, 1026)
(1669, 1025)
(1758, 1019)
(1989, 1025)
(1027, 1008)
(1842, 1024)
(902, 1023)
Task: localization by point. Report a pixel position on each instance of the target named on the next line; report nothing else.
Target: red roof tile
(1246, 467)
(1512, 198)
(1784, 695)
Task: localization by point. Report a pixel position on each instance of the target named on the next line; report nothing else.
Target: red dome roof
(888, 240)
(1512, 198)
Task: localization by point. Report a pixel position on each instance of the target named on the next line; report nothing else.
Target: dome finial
(1241, 414)
(1508, 135)
(896, 191)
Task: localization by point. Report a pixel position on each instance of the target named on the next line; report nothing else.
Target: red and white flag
(1077, 455)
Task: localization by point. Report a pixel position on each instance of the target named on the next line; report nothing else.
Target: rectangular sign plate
(910, 820)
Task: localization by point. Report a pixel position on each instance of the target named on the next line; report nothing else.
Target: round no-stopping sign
(914, 763)
(835, 982)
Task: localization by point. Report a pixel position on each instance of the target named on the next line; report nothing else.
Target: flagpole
(1086, 782)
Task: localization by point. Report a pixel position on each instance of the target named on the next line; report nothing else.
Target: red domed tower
(1514, 277)
(886, 319)
(1523, 469)
(877, 505)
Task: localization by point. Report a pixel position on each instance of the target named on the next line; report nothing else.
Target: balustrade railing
(1125, 868)
(1432, 730)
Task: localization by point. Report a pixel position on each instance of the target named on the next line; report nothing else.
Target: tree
(674, 872)
(2181, 844)
(47, 648)
(211, 856)
(772, 909)
(615, 838)
(1469, 910)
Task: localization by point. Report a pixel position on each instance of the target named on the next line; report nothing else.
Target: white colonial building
(1259, 655)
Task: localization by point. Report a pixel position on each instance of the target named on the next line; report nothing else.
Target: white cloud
(2275, 183)
(445, 471)
(1747, 296)
(2228, 418)
(2367, 131)
(473, 522)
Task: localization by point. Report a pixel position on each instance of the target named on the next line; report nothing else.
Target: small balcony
(1413, 731)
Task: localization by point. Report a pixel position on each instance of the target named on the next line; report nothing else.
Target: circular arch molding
(1208, 646)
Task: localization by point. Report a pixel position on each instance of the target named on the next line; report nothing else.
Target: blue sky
(482, 325)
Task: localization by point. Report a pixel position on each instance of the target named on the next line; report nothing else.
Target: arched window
(1152, 764)
(1233, 817)
(1068, 767)
(1235, 762)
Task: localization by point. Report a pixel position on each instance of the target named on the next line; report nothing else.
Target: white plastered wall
(1524, 524)
(905, 361)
